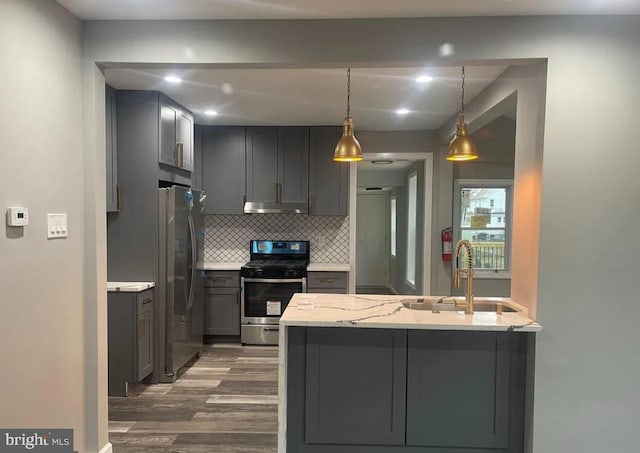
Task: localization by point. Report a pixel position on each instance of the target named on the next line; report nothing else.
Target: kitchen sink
(449, 305)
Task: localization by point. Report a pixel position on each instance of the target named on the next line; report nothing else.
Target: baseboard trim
(392, 289)
(108, 448)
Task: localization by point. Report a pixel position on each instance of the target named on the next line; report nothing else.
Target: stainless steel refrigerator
(181, 323)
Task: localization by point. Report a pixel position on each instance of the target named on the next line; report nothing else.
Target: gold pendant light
(462, 147)
(348, 148)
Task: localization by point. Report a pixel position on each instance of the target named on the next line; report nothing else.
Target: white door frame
(428, 213)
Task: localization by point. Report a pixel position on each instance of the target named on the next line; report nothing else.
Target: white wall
(42, 339)
(587, 367)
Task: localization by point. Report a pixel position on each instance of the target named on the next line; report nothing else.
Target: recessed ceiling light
(173, 79)
(210, 112)
(403, 111)
(424, 79)
(373, 188)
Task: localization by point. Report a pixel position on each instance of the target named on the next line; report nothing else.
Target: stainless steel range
(277, 270)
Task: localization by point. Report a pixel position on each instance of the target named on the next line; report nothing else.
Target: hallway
(226, 402)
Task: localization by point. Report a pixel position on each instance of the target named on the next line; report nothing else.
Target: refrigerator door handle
(194, 262)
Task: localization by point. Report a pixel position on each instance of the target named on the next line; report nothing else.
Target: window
(483, 213)
(412, 206)
(394, 235)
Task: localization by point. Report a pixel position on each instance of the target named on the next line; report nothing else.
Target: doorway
(372, 265)
(393, 223)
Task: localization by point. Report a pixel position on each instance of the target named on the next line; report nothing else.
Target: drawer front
(222, 279)
(328, 290)
(145, 301)
(320, 280)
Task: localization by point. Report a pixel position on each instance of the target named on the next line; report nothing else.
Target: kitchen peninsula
(391, 374)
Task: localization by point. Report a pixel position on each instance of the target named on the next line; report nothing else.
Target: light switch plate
(56, 226)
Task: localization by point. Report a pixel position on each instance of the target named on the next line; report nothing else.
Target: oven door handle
(274, 280)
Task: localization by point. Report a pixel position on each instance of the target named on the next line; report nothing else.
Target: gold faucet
(468, 304)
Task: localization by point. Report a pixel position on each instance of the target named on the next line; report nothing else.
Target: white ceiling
(315, 96)
(337, 9)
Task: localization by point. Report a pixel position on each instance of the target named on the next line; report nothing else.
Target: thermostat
(17, 217)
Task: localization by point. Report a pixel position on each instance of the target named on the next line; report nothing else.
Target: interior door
(371, 242)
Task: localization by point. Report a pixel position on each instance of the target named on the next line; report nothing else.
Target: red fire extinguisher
(447, 244)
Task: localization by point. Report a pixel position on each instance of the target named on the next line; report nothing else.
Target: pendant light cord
(462, 95)
(348, 92)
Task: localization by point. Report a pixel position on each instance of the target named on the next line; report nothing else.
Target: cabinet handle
(146, 301)
(180, 154)
(277, 194)
(238, 298)
(119, 196)
(141, 329)
(328, 280)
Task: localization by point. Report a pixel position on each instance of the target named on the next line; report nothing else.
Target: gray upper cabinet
(223, 168)
(328, 180)
(293, 164)
(184, 141)
(262, 164)
(196, 173)
(176, 135)
(111, 150)
(278, 164)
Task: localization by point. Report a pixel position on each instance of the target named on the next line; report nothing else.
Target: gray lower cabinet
(223, 168)
(111, 150)
(466, 377)
(328, 180)
(328, 282)
(357, 390)
(222, 303)
(355, 386)
(130, 339)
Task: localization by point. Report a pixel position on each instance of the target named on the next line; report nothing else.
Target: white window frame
(411, 245)
(393, 228)
(457, 202)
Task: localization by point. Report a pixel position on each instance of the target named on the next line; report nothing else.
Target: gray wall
(398, 265)
(591, 97)
(495, 142)
(42, 342)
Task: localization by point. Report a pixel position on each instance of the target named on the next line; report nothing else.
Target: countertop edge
(129, 287)
(531, 327)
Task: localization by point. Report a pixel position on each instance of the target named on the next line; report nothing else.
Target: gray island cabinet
(353, 384)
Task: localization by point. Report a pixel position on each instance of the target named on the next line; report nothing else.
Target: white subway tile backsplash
(227, 236)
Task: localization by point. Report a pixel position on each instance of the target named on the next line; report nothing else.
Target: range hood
(261, 207)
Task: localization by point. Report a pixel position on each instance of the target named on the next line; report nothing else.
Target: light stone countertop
(382, 311)
(219, 266)
(129, 287)
(329, 267)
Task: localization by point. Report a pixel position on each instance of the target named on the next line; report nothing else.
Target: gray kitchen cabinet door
(293, 164)
(145, 343)
(458, 386)
(196, 173)
(223, 169)
(328, 180)
(111, 149)
(168, 134)
(355, 386)
(184, 141)
(262, 163)
(222, 311)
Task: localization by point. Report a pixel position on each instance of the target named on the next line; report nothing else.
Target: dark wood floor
(226, 402)
(373, 290)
